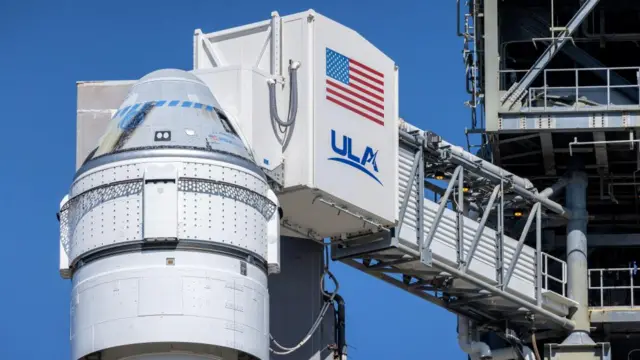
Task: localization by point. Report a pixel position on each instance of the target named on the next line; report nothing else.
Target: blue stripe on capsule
(123, 110)
(160, 103)
(186, 104)
(197, 106)
(174, 103)
(209, 108)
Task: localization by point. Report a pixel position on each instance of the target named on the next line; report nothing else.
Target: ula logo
(346, 156)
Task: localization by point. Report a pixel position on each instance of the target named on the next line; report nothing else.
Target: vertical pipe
(500, 235)
(631, 276)
(539, 257)
(420, 189)
(578, 283)
(341, 327)
(460, 208)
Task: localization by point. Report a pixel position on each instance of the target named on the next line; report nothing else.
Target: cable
(278, 125)
(329, 296)
(535, 345)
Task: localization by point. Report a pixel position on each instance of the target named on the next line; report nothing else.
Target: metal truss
(410, 265)
(517, 91)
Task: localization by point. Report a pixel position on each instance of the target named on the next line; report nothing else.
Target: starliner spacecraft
(170, 156)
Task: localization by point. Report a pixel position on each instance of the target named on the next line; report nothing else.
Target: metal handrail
(562, 281)
(547, 91)
(610, 290)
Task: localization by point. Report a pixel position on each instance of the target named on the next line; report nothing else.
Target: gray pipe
(293, 97)
(476, 165)
(485, 166)
(577, 272)
(555, 188)
(475, 349)
(293, 106)
(478, 350)
(510, 353)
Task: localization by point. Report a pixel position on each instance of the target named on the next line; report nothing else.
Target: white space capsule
(168, 233)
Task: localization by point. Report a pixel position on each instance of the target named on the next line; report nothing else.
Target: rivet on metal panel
(625, 119)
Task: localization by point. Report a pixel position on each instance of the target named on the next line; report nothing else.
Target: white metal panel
(113, 208)
(160, 202)
(246, 45)
(355, 151)
(208, 297)
(308, 172)
(273, 238)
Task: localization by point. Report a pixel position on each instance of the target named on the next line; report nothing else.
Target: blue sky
(45, 47)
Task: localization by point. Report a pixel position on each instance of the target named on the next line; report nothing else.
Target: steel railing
(556, 283)
(613, 287)
(545, 97)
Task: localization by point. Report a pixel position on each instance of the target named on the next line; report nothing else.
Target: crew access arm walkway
(457, 262)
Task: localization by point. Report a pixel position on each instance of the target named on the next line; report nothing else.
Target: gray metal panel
(295, 299)
(613, 315)
(96, 103)
(566, 120)
(491, 65)
(599, 351)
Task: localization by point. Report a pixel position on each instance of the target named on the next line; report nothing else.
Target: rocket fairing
(166, 231)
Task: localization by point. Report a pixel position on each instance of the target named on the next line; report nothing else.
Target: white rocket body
(165, 233)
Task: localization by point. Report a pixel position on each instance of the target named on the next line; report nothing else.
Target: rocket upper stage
(170, 108)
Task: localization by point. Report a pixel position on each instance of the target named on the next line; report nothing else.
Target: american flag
(355, 86)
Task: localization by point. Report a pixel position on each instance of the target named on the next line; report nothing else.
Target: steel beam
(548, 155)
(397, 283)
(491, 63)
(523, 236)
(515, 93)
(565, 323)
(417, 166)
(460, 217)
(539, 257)
(425, 252)
(480, 230)
(601, 151)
